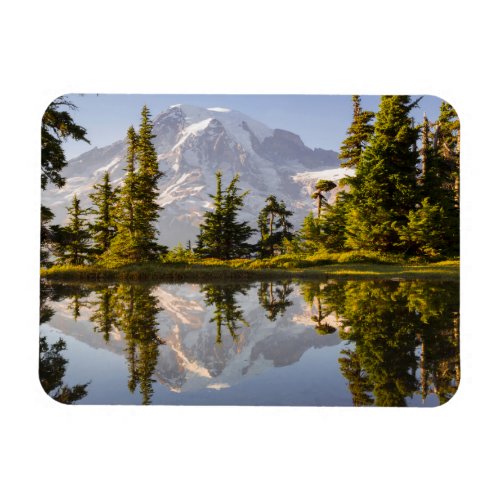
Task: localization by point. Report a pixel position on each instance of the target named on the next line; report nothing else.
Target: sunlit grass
(319, 266)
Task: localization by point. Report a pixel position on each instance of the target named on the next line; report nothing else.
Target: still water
(334, 343)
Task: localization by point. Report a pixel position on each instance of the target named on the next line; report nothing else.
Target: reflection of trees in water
(313, 296)
(52, 368)
(405, 335)
(273, 297)
(46, 294)
(52, 365)
(129, 308)
(136, 309)
(227, 311)
(104, 315)
(132, 309)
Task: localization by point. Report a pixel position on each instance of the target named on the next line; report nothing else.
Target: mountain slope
(192, 144)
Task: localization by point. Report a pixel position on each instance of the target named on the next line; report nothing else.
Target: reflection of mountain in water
(189, 357)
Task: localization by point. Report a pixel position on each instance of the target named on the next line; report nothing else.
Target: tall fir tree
(138, 208)
(72, 245)
(358, 135)
(333, 223)
(103, 228)
(383, 191)
(209, 242)
(123, 247)
(433, 226)
(308, 237)
(148, 175)
(221, 234)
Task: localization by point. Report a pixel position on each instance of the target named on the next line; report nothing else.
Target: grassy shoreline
(444, 270)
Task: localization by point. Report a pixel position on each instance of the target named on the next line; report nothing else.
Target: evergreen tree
(72, 245)
(137, 208)
(426, 231)
(57, 126)
(447, 144)
(148, 175)
(123, 247)
(384, 188)
(333, 224)
(433, 226)
(283, 223)
(221, 235)
(274, 226)
(103, 228)
(46, 235)
(322, 186)
(358, 135)
(309, 235)
(446, 173)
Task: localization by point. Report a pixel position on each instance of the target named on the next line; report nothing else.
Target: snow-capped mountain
(192, 144)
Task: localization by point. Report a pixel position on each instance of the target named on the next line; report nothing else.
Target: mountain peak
(193, 142)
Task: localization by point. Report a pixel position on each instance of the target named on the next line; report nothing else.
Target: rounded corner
(53, 400)
(452, 397)
(52, 101)
(447, 102)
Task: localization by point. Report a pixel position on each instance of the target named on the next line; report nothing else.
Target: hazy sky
(320, 120)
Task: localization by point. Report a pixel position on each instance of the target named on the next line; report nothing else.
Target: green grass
(319, 266)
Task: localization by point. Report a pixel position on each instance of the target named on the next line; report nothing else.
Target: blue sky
(320, 120)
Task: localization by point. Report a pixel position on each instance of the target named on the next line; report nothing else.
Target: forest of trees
(403, 198)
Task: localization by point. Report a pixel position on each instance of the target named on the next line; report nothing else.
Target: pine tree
(72, 244)
(209, 241)
(103, 228)
(123, 247)
(358, 135)
(46, 235)
(433, 226)
(448, 151)
(333, 224)
(138, 208)
(148, 175)
(308, 236)
(57, 126)
(426, 231)
(447, 144)
(221, 235)
(322, 186)
(274, 226)
(384, 188)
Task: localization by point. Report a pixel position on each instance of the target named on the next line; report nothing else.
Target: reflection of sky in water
(281, 362)
(314, 380)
